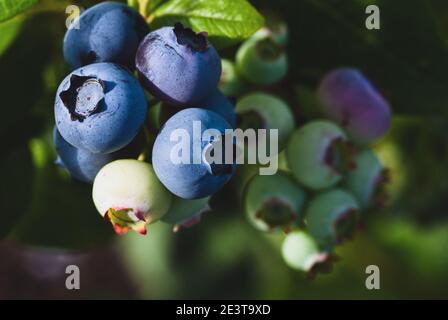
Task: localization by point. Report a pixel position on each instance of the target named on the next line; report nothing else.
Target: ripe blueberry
(216, 102)
(348, 98)
(186, 213)
(367, 181)
(262, 61)
(84, 165)
(301, 252)
(331, 217)
(274, 202)
(129, 195)
(100, 108)
(319, 154)
(185, 161)
(178, 66)
(108, 32)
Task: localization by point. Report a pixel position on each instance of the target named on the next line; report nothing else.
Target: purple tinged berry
(178, 66)
(331, 217)
(100, 108)
(349, 98)
(319, 154)
(274, 202)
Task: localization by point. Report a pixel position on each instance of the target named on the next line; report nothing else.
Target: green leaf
(9, 30)
(11, 8)
(226, 22)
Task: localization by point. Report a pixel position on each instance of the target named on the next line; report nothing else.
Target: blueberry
(178, 66)
(367, 181)
(260, 110)
(275, 28)
(349, 98)
(319, 154)
(100, 108)
(301, 252)
(193, 174)
(331, 217)
(262, 61)
(231, 83)
(216, 102)
(129, 195)
(274, 202)
(186, 213)
(108, 32)
(84, 165)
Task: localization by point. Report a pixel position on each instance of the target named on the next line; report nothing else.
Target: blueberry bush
(90, 104)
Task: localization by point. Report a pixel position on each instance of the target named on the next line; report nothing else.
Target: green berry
(230, 83)
(301, 252)
(367, 181)
(129, 195)
(186, 213)
(260, 110)
(274, 202)
(331, 217)
(319, 154)
(262, 61)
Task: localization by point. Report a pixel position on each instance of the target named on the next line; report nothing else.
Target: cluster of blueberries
(103, 125)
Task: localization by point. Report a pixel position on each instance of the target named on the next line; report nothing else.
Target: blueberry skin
(178, 74)
(100, 108)
(217, 102)
(220, 104)
(108, 32)
(349, 98)
(190, 180)
(84, 165)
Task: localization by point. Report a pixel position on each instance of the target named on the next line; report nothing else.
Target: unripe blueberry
(100, 108)
(178, 66)
(261, 61)
(274, 202)
(319, 154)
(186, 213)
(260, 110)
(349, 98)
(108, 32)
(331, 217)
(183, 155)
(367, 181)
(231, 83)
(129, 195)
(275, 28)
(301, 252)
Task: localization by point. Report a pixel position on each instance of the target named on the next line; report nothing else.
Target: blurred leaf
(11, 8)
(9, 30)
(16, 187)
(226, 22)
(61, 211)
